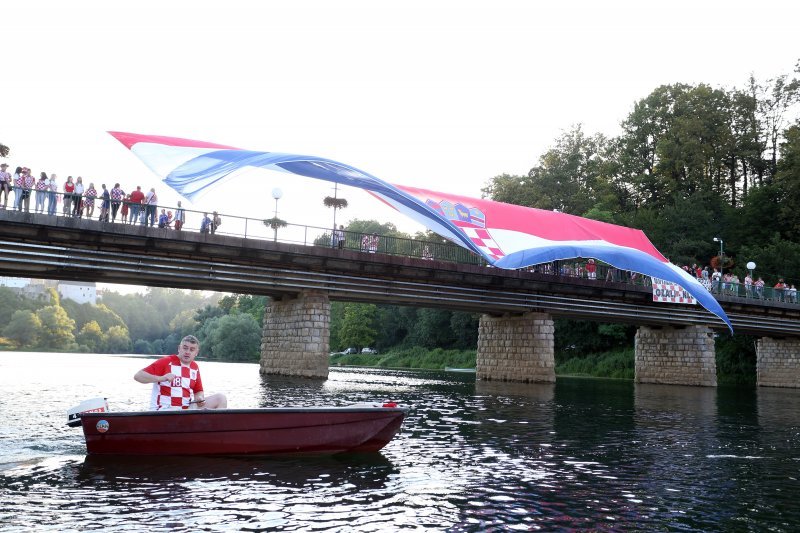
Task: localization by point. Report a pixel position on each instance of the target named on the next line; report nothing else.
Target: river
(473, 456)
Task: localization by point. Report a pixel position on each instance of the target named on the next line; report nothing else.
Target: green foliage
(736, 360)
(233, 338)
(774, 259)
(576, 338)
(141, 346)
(358, 325)
(619, 364)
(569, 178)
(84, 313)
(184, 322)
(117, 340)
(416, 357)
(57, 329)
(11, 302)
(90, 336)
(24, 328)
(148, 316)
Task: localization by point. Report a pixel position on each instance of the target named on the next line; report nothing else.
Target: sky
(443, 95)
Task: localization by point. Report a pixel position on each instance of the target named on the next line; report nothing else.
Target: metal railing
(252, 228)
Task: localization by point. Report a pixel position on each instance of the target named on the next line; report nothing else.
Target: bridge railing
(252, 228)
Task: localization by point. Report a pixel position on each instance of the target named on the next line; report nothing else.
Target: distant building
(77, 291)
(14, 283)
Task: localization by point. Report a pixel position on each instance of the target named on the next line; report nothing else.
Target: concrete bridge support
(516, 348)
(296, 336)
(778, 362)
(676, 356)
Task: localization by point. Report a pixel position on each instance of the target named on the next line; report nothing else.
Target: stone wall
(676, 356)
(296, 336)
(778, 362)
(516, 348)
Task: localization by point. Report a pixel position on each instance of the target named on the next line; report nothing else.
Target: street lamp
(277, 193)
(721, 254)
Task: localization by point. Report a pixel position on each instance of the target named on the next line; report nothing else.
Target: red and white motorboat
(315, 430)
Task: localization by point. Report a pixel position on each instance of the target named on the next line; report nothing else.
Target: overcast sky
(438, 94)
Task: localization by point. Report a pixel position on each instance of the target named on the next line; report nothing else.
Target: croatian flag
(505, 235)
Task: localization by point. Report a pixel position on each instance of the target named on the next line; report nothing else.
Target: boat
(465, 370)
(265, 431)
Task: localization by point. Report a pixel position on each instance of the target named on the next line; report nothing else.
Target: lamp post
(721, 254)
(277, 194)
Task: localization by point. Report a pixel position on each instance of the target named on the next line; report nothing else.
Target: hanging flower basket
(726, 262)
(275, 223)
(336, 203)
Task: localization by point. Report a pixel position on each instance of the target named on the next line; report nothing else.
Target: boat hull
(241, 431)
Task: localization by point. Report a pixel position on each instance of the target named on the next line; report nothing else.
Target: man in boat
(176, 380)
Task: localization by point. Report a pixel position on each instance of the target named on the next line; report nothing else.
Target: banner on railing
(667, 291)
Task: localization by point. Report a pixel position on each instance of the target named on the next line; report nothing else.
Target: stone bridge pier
(296, 336)
(675, 356)
(778, 362)
(516, 348)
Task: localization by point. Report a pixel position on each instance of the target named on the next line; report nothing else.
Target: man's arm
(145, 377)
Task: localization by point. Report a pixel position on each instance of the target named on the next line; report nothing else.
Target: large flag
(505, 235)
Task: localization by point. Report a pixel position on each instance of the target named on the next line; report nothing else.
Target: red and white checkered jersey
(179, 393)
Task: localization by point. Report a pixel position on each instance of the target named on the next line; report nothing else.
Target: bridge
(674, 343)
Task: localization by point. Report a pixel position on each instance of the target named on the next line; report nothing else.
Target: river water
(580, 454)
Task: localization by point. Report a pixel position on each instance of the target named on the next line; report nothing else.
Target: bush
(605, 365)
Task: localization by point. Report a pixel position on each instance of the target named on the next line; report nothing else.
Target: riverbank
(731, 369)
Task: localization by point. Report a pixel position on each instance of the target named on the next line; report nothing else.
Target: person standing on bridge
(88, 202)
(205, 224)
(69, 188)
(137, 197)
(151, 201)
(117, 194)
(337, 239)
(176, 381)
(180, 217)
(41, 192)
(52, 195)
(106, 205)
(5, 183)
(77, 200)
(18, 188)
(28, 184)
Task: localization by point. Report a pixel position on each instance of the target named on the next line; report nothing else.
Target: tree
(4, 150)
(234, 338)
(90, 336)
(24, 328)
(57, 329)
(357, 327)
(569, 178)
(787, 179)
(117, 340)
(184, 323)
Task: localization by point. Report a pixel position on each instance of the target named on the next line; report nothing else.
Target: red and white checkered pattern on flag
(483, 240)
(667, 291)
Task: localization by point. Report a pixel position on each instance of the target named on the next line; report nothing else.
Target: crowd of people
(729, 284)
(81, 200)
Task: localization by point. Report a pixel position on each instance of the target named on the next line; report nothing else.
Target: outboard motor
(95, 405)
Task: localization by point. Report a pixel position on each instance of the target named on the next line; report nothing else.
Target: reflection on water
(577, 454)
